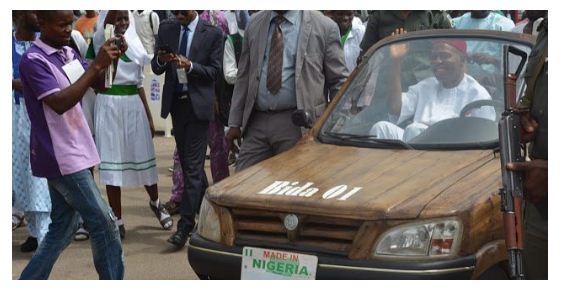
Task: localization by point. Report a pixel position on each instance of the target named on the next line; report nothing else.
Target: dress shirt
(286, 98)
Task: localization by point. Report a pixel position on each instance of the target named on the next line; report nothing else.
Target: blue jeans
(73, 196)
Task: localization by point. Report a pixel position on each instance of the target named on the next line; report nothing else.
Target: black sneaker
(29, 245)
(163, 216)
(179, 239)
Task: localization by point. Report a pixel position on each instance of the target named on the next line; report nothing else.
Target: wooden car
(352, 201)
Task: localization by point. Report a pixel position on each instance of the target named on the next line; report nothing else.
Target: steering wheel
(498, 107)
(459, 130)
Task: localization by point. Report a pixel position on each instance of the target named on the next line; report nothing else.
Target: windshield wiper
(367, 138)
(348, 136)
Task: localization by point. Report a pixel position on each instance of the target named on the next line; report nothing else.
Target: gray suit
(320, 65)
(319, 69)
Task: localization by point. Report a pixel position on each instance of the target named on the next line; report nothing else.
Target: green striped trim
(124, 166)
(122, 90)
(132, 163)
(128, 169)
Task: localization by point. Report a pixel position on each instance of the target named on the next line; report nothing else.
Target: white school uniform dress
(122, 134)
(122, 131)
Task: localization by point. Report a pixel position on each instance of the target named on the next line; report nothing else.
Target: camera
(118, 43)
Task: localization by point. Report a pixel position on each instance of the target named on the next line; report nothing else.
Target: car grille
(314, 233)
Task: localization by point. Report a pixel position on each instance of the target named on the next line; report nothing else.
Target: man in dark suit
(189, 51)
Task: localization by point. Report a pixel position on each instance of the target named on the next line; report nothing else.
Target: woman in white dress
(123, 123)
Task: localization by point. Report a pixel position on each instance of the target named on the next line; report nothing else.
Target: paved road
(147, 254)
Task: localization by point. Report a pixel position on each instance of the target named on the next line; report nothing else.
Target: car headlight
(208, 225)
(429, 238)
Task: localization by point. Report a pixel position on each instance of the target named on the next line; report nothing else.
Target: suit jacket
(205, 55)
(320, 65)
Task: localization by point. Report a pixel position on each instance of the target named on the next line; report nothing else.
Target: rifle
(512, 183)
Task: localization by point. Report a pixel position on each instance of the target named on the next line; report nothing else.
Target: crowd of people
(232, 81)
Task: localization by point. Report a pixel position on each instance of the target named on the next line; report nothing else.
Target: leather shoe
(178, 239)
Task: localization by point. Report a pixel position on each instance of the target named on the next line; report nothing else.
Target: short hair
(46, 14)
(16, 13)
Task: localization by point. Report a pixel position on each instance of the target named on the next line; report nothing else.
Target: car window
(429, 92)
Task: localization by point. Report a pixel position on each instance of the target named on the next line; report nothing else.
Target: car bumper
(218, 261)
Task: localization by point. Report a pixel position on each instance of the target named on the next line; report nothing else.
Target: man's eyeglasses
(182, 12)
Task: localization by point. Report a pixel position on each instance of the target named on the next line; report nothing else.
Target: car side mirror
(301, 118)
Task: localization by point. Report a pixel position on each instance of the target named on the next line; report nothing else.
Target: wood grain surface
(397, 186)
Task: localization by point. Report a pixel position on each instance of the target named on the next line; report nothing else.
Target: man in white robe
(435, 98)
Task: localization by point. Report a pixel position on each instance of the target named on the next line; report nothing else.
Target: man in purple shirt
(55, 78)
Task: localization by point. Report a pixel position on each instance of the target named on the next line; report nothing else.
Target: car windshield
(425, 93)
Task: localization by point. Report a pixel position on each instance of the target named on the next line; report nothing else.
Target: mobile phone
(118, 42)
(166, 48)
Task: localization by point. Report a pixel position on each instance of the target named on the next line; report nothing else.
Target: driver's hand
(398, 51)
(484, 58)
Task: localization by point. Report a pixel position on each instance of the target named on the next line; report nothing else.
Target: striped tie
(183, 51)
(275, 62)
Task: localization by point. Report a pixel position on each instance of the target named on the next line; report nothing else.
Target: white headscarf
(136, 51)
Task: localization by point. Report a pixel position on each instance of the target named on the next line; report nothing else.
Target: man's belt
(182, 95)
(276, 111)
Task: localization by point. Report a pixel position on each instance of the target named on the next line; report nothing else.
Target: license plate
(268, 264)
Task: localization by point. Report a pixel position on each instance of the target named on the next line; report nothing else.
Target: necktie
(275, 62)
(183, 45)
(183, 51)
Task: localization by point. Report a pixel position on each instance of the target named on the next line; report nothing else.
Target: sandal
(163, 216)
(17, 221)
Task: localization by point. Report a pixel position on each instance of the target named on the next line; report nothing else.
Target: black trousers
(191, 141)
(535, 254)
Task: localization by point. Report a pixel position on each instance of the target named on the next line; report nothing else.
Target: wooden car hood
(394, 184)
